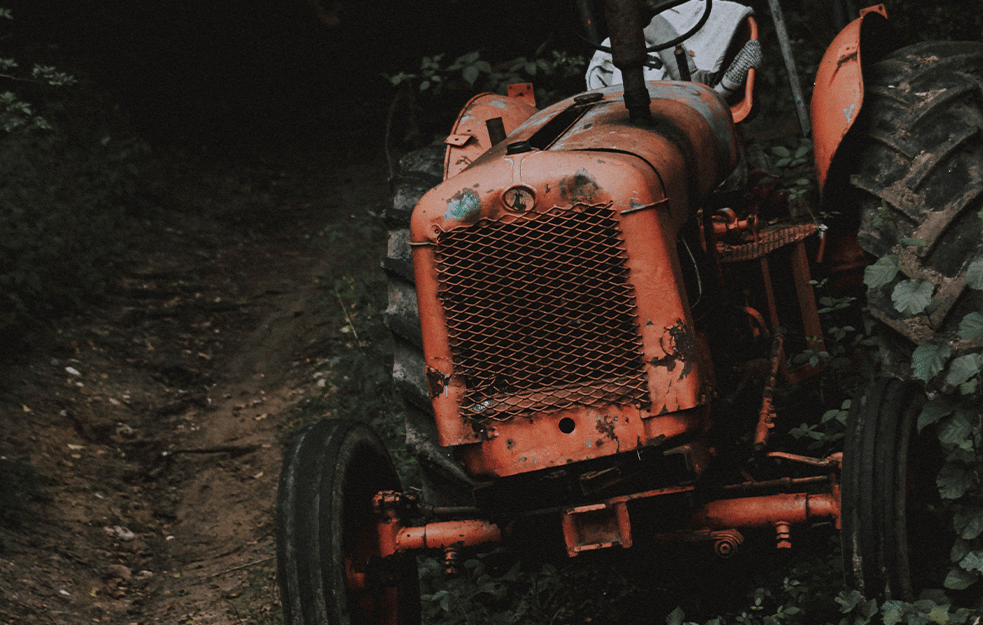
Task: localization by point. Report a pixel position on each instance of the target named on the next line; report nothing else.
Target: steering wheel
(653, 8)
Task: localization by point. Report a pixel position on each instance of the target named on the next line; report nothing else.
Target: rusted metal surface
(838, 93)
(742, 108)
(767, 510)
(549, 286)
(596, 526)
(555, 439)
(470, 138)
(447, 534)
(766, 416)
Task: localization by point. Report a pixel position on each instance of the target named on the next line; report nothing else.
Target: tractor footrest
(596, 526)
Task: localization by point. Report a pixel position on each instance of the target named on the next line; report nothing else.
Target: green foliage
(794, 163)
(66, 217)
(17, 115)
(911, 297)
(434, 93)
(68, 205)
(929, 359)
(471, 72)
(358, 367)
(881, 272)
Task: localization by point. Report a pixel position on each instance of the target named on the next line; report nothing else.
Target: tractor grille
(540, 313)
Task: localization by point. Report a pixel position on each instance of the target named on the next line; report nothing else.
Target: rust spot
(581, 187)
(509, 444)
(437, 381)
(678, 345)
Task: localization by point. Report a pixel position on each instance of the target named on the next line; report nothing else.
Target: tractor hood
(548, 284)
(679, 156)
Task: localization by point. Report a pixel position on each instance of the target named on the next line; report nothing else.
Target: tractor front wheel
(894, 540)
(328, 564)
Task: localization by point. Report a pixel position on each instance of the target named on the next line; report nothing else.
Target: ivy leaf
(971, 326)
(959, 549)
(974, 274)
(933, 410)
(911, 297)
(969, 523)
(953, 482)
(956, 430)
(929, 359)
(892, 612)
(881, 272)
(958, 579)
(849, 600)
(470, 74)
(963, 368)
(675, 617)
(939, 614)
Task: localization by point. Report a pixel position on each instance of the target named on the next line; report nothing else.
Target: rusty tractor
(578, 293)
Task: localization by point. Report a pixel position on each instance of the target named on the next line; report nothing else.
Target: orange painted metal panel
(839, 92)
(578, 199)
(470, 138)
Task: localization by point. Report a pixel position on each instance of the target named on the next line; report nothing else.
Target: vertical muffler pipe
(626, 27)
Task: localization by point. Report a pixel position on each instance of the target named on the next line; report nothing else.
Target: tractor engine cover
(554, 317)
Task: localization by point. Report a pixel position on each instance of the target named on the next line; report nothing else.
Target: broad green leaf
(911, 297)
(974, 274)
(958, 579)
(881, 272)
(780, 150)
(933, 410)
(939, 614)
(971, 326)
(963, 368)
(972, 561)
(470, 74)
(953, 481)
(969, 523)
(676, 616)
(956, 429)
(929, 359)
(892, 612)
(848, 600)
(959, 549)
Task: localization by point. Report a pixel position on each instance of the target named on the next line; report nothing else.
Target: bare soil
(160, 419)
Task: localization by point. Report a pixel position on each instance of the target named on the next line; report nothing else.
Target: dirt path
(160, 420)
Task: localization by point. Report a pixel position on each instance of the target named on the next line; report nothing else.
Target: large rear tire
(895, 542)
(326, 529)
(445, 483)
(918, 147)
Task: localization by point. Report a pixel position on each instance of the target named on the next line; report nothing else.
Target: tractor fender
(839, 90)
(472, 134)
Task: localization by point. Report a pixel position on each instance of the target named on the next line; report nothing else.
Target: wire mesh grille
(540, 313)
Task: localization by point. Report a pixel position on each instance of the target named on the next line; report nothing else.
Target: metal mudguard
(839, 91)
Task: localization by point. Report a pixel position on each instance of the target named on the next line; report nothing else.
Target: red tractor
(578, 293)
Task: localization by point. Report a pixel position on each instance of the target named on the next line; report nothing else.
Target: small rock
(118, 570)
(120, 532)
